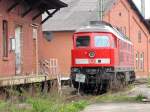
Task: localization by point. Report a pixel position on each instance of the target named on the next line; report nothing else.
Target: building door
(35, 49)
(18, 49)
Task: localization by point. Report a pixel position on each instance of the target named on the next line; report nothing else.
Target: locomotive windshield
(83, 41)
(102, 41)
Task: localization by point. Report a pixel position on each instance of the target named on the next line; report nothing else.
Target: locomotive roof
(103, 27)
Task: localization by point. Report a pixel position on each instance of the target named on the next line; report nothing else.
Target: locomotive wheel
(75, 84)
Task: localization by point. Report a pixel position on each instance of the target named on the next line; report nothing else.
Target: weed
(139, 98)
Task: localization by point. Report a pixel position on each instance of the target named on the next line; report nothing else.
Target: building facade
(20, 23)
(129, 21)
(122, 14)
(13, 25)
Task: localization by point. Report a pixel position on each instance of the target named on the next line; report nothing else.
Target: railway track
(76, 97)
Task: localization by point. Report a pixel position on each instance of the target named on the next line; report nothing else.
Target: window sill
(5, 58)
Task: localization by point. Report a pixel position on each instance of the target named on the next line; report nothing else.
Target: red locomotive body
(101, 54)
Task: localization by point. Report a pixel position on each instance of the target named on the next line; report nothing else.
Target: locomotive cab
(93, 50)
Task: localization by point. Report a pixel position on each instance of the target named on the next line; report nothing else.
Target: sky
(147, 7)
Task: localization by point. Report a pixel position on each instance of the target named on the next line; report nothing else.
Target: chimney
(143, 7)
(100, 9)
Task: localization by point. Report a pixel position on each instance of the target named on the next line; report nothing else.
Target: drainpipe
(148, 58)
(37, 56)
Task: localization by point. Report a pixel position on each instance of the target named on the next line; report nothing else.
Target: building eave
(40, 5)
(142, 19)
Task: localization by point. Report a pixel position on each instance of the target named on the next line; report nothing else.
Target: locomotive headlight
(91, 54)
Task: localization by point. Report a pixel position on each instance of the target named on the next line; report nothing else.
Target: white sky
(147, 7)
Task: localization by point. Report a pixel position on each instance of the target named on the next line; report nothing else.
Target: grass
(48, 103)
(53, 102)
(108, 98)
(74, 106)
(2, 105)
(139, 98)
(149, 82)
(44, 103)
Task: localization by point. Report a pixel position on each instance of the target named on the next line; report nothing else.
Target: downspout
(148, 58)
(37, 57)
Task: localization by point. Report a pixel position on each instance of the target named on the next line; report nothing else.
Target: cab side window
(83, 41)
(102, 41)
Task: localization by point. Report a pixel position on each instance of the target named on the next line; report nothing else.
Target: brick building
(122, 14)
(20, 23)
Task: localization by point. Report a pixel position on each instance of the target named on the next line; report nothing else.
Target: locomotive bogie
(96, 75)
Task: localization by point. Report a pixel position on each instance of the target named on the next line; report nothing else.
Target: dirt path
(142, 89)
(118, 107)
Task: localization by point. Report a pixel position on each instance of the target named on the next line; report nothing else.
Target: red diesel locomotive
(101, 56)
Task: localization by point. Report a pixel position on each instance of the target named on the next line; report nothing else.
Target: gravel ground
(140, 90)
(118, 107)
